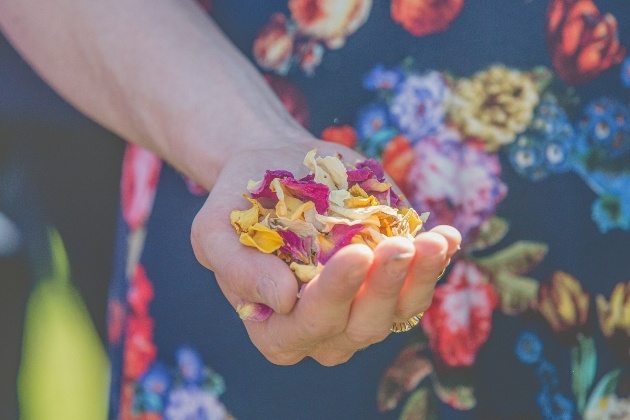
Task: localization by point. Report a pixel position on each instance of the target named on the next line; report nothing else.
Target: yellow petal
(261, 237)
(304, 272)
(412, 220)
(357, 191)
(355, 202)
(242, 220)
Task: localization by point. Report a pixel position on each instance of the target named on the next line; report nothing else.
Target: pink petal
(254, 311)
(263, 190)
(298, 248)
(309, 191)
(359, 175)
(339, 236)
(374, 166)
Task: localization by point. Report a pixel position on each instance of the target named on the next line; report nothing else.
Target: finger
(430, 259)
(320, 313)
(453, 237)
(374, 307)
(325, 303)
(244, 274)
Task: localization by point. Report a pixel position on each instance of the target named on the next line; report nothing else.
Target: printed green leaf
(516, 293)
(518, 258)
(490, 233)
(421, 405)
(605, 386)
(408, 370)
(584, 365)
(460, 397)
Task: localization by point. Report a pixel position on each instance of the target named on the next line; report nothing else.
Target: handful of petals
(305, 221)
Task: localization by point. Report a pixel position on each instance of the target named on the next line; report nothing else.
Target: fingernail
(268, 292)
(403, 256)
(397, 264)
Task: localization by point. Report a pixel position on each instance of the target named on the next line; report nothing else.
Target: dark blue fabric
(189, 309)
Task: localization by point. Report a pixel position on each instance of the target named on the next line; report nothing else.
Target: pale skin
(159, 73)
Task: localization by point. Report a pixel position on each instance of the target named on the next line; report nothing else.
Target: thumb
(244, 274)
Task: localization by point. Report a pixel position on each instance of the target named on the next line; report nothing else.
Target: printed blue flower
(625, 72)
(547, 374)
(152, 389)
(605, 131)
(371, 119)
(380, 78)
(190, 366)
(528, 158)
(546, 146)
(555, 406)
(528, 348)
(610, 212)
(419, 105)
(373, 147)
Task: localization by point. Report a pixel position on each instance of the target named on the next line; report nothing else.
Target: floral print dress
(507, 120)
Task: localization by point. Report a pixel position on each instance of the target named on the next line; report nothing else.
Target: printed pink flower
(140, 292)
(330, 20)
(339, 236)
(291, 97)
(424, 17)
(398, 157)
(139, 350)
(115, 321)
(459, 320)
(457, 182)
(140, 173)
(194, 188)
(310, 54)
(583, 43)
(345, 135)
(273, 47)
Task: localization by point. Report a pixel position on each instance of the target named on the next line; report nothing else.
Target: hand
(350, 305)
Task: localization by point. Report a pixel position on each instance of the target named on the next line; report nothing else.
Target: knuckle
(333, 358)
(362, 338)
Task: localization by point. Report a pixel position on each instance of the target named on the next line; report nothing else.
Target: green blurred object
(64, 371)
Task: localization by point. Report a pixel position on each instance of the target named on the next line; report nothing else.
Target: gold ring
(399, 327)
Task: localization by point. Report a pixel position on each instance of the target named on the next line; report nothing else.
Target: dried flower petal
(309, 191)
(373, 166)
(359, 175)
(308, 220)
(305, 272)
(253, 311)
(263, 238)
(296, 247)
(337, 238)
(242, 220)
(329, 171)
(262, 188)
(355, 202)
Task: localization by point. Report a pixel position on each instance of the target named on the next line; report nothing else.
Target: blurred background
(59, 176)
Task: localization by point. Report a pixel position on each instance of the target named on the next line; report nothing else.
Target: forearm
(158, 73)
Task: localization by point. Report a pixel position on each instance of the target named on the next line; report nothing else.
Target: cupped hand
(351, 304)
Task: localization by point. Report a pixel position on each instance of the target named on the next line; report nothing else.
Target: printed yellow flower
(261, 237)
(563, 302)
(614, 315)
(494, 105)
